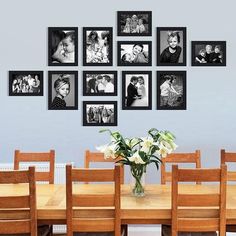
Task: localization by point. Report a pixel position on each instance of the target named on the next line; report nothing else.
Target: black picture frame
(99, 120)
(144, 58)
(71, 100)
(215, 58)
(141, 97)
(164, 56)
(125, 29)
(172, 101)
(108, 80)
(55, 36)
(25, 83)
(106, 35)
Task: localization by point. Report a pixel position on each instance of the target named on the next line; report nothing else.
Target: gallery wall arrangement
(98, 45)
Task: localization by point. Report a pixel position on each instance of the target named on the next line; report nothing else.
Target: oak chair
(18, 214)
(174, 158)
(183, 204)
(76, 202)
(227, 158)
(48, 157)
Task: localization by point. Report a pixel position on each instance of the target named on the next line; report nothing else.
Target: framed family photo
(25, 83)
(171, 46)
(97, 46)
(100, 113)
(63, 90)
(136, 90)
(134, 53)
(208, 53)
(134, 23)
(100, 83)
(171, 90)
(63, 46)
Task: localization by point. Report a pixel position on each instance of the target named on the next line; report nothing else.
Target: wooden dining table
(154, 208)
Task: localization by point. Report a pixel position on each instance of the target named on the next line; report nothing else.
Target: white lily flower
(136, 158)
(165, 148)
(108, 150)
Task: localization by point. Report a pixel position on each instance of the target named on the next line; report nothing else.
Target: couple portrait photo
(62, 46)
(136, 90)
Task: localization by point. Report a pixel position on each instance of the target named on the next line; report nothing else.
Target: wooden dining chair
(177, 158)
(93, 157)
(18, 213)
(34, 157)
(183, 217)
(76, 201)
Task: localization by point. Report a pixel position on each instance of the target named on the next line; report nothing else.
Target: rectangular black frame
(221, 43)
(120, 33)
(119, 60)
(184, 106)
(184, 49)
(50, 49)
(110, 29)
(50, 86)
(85, 93)
(18, 73)
(85, 103)
(149, 107)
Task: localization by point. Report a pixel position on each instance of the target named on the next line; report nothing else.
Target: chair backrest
(99, 157)
(174, 158)
(48, 157)
(18, 213)
(76, 202)
(227, 157)
(184, 203)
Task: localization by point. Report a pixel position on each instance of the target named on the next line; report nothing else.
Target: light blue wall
(26, 123)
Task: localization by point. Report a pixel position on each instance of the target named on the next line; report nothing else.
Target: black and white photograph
(100, 83)
(26, 83)
(100, 113)
(63, 90)
(171, 46)
(208, 53)
(171, 90)
(134, 23)
(134, 53)
(136, 90)
(62, 46)
(97, 46)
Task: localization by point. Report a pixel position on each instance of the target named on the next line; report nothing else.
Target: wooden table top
(154, 208)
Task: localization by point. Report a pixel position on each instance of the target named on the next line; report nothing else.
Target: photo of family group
(171, 43)
(136, 90)
(208, 53)
(62, 90)
(100, 83)
(134, 23)
(62, 46)
(97, 46)
(100, 113)
(134, 53)
(171, 90)
(26, 83)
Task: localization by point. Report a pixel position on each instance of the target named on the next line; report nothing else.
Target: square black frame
(119, 30)
(184, 48)
(149, 73)
(50, 49)
(195, 43)
(50, 87)
(85, 93)
(19, 73)
(183, 74)
(110, 29)
(85, 103)
(121, 63)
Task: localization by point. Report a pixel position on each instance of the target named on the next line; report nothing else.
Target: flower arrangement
(139, 152)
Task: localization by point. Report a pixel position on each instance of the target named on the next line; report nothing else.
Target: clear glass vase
(138, 180)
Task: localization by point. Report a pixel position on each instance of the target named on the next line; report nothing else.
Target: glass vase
(138, 180)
